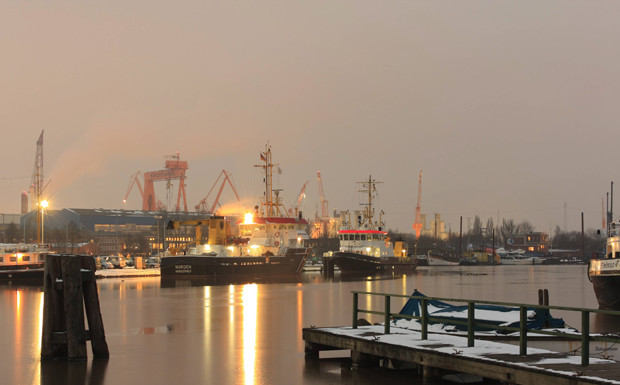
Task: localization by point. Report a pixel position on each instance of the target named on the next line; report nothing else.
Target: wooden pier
(440, 355)
(437, 354)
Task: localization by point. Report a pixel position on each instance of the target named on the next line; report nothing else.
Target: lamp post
(43, 205)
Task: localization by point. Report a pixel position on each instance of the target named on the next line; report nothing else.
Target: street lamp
(43, 205)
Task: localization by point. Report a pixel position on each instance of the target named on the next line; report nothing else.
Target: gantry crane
(417, 225)
(202, 205)
(174, 169)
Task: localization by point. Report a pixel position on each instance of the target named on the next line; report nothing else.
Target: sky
(508, 107)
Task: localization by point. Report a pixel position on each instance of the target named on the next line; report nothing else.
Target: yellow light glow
(250, 312)
(248, 218)
(254, 246)
(44, 204)
(231, 248)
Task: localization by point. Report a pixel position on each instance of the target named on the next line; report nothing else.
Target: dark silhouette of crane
(202, 205)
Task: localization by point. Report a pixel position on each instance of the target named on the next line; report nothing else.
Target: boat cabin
(368, 242)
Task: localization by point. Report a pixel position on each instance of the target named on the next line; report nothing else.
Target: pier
(437, 354)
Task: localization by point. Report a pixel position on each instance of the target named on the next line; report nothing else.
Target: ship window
(26, 258)
(13, 259)
(363, 237)
(617, 254)
(1, 259)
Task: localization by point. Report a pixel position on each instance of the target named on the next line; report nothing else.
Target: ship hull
(200, 266)
(349, 262)
(605, 277)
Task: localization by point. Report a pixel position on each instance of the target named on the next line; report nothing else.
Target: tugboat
(270, 242)
(22, 261)
(365, 247)
(604, 273)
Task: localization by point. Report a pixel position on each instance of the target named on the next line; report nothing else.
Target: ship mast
(272, 204)
(368, 213)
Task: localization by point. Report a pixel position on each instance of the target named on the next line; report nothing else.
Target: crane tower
(417, 225)
(324, 203)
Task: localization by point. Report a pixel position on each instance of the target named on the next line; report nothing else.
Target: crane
(324, 207)
(417, 225)
(202, 205)
(174, 169)
(302, 195)
(134, 180)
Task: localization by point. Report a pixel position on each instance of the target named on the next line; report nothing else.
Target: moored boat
(366, 248)
(270, 242)
(22, 261)
(604, 273)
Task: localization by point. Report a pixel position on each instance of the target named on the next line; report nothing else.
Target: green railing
(584, 335)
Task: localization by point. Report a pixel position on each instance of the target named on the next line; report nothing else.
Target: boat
(436, 257)
(22, 261)
(604, 273)
(516, 258)
(270, 242)
(446, 317)
(365, 247)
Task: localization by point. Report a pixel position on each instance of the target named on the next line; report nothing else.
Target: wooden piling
(70, 288)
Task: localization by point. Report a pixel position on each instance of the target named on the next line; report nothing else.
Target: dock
(436, 354)
(442, 354)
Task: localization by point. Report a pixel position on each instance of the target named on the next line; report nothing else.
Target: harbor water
(184, 332)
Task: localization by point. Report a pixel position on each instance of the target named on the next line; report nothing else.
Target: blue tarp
(537, 318)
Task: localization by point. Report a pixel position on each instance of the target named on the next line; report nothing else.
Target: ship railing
(472, 324)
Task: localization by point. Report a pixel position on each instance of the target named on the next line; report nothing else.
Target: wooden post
(523, 331)
(585, 338)
(93, 312)
(424, 314)
(64, 335)
(386, 321)
(355, 295)
(470, 323)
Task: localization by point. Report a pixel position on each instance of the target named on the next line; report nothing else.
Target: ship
(270, 241)
(365, 246)
(22, 261)
(604, 273)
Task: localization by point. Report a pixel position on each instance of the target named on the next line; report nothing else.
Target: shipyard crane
(36, 187)
(300, 197)
(174, 168)
(202, 205)
(134, 180)
(324, 208)
(417, 225)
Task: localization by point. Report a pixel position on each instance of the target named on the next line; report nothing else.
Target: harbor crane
(417, 225)
(174, 169)
(300, 198)
(324, 206)
(202, 205)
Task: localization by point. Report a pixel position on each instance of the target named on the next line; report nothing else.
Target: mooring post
(387, 315)
(355, 310)
(63, 332)
(585, 338)
(424, 318)
(93, 311)
(523, 330)
(52, 320)
(470, 323)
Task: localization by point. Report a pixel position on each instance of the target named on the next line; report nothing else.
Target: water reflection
(73, 373)
(250, 312)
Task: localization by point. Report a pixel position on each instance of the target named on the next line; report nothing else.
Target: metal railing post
(585, 338)
(523, 330)
(387, 315)
(424, 318)
(355, 295)
(470, 323)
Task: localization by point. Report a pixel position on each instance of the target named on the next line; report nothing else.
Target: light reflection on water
(251, 333)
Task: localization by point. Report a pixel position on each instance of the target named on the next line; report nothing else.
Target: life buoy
(277, 243)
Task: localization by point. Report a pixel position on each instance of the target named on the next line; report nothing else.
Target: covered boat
(493, 316)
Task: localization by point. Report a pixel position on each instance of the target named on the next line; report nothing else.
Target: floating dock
(442, 354)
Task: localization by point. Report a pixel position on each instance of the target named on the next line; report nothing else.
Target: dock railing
(583, 335)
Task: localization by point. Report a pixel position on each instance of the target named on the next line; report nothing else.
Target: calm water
(251, 334)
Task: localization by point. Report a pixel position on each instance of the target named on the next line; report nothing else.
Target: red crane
(174, 169)
(417, 226)
(324, 207)
(202, 205)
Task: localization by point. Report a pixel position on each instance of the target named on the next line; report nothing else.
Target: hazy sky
(510, 108)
